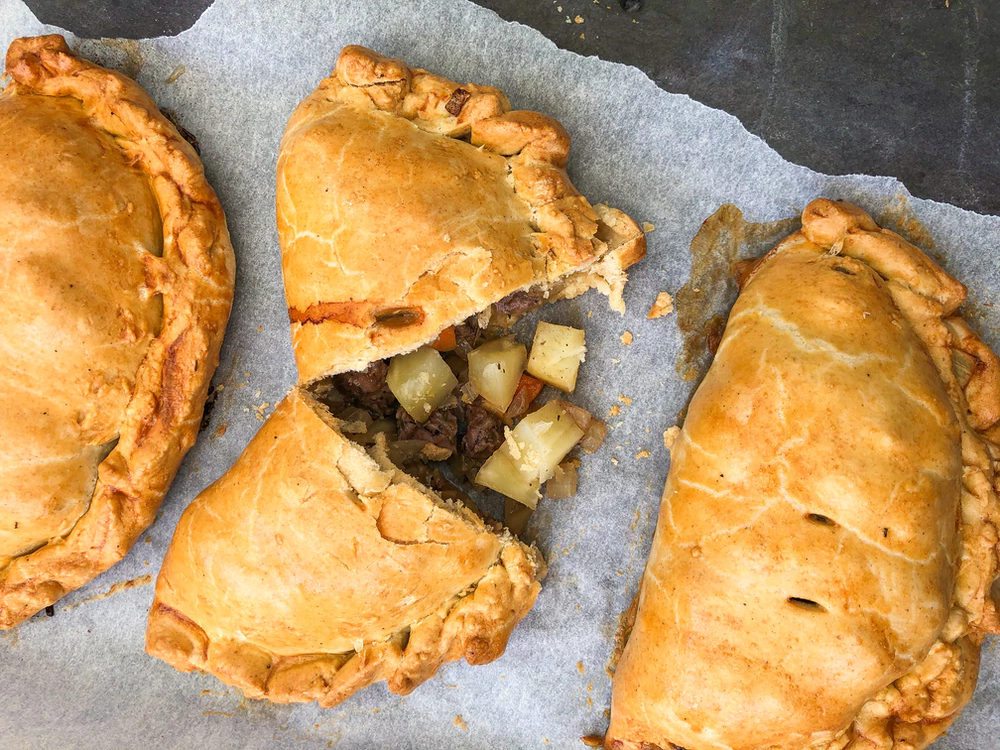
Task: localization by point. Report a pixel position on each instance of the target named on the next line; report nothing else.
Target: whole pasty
(821, 571)
(118, 280)
(406, 204)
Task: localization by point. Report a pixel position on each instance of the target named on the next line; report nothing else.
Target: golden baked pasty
(312, 569)
(821, 571)
(410, 211)
(407, 203)
(118, 280)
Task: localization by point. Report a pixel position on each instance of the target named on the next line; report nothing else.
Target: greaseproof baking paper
(81, 678)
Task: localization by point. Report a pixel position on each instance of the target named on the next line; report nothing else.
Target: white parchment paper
(81, 679)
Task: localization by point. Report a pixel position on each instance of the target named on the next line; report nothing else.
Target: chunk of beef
(483, 431)
(368, 388)
(467, 336)
(440, 429)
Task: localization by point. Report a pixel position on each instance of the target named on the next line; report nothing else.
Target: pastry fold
(822, 568)
(312, 569)
(407, 203)
(118, 284)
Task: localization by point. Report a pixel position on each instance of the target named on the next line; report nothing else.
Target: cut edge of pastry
(918, 707)
(580, 246)
(194, 275)
(474, 624)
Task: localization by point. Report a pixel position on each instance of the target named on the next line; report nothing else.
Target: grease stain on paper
(718, 252)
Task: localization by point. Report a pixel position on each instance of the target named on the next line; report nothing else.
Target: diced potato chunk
(420, 381)
(500, 474)
(531, 453)
(556, 354)
(495, 369)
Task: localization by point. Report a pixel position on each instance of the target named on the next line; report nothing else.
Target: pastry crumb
(177, 73)
(460, 723)
(615, 361)
(627, 338)
(614, 460)
(583, 36)
(648, 227)
(221, 430)
(592, 740)
(624, 399)
(260, 329)
(643, 454)
(578, 19)
(670, 437)
(579, 667)
(614, 411)
(664, 305)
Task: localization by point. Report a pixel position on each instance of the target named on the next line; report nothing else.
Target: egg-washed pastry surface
(118, 278)
(823, 565)
(312, 569)
(407, 203)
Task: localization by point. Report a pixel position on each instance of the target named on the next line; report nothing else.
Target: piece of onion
(516, 516)
(564, 482)
(594, 437)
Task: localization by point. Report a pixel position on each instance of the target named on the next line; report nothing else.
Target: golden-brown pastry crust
(141, 309)
(822, 566)
(312, 569)
(407, 203)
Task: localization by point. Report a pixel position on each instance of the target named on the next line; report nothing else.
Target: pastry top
(407, 203)
(119, 280)
(310, 553)
(818, 537)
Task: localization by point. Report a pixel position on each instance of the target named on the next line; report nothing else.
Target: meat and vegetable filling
(470, 401)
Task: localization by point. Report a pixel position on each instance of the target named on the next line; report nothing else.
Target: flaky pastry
(407, 203)
(312, 569)
(118, 280)
(822, 572)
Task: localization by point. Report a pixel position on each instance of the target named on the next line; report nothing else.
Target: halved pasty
(118, 280)
(821, 574)
(407, 203)
(417, 219)
(312, 569)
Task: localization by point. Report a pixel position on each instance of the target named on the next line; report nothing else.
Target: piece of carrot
(527, 391)
(445, 342)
